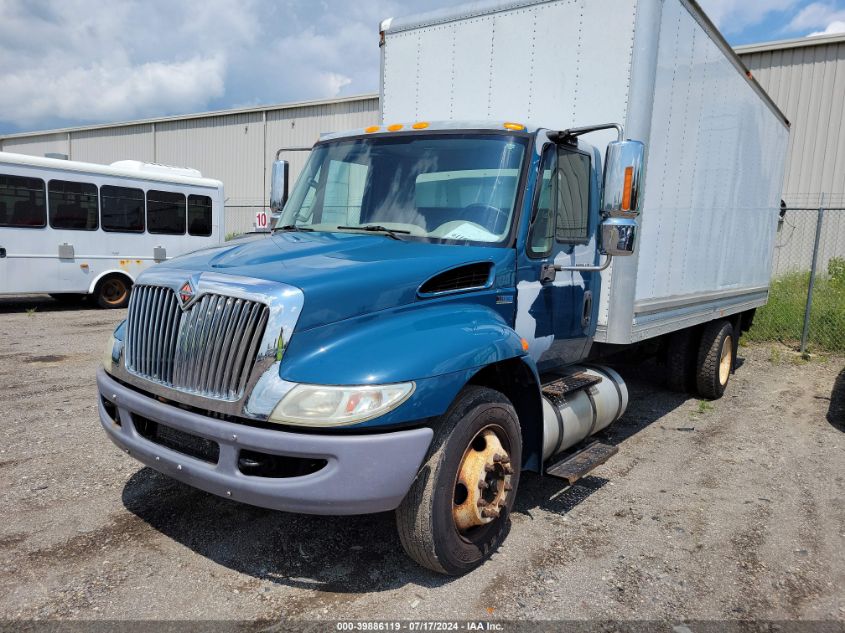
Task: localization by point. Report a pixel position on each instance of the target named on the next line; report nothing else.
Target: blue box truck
(551, 182)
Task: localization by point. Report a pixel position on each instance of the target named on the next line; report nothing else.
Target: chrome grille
(208, 349)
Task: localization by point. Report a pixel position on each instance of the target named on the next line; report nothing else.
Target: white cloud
(107, 91)
(837, 26)
(824, 17)
(733, 16)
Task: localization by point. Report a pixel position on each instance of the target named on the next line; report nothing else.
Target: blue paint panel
(345, 274)
(412, 343)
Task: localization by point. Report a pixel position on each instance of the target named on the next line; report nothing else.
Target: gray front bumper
(364, 473)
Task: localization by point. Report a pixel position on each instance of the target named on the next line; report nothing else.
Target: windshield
(459, 188)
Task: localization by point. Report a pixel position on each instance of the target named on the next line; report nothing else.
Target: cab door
(556, 310)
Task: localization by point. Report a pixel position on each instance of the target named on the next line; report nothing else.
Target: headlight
(319, 405)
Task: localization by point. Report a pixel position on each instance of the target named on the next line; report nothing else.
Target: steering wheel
(484, 210)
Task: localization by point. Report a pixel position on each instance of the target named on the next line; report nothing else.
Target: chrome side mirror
(618, 236)
(278, 186)
(623, 169)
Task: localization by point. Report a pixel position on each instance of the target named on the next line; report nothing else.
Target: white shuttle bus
(69, 228)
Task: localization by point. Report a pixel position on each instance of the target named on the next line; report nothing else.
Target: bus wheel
(113, 292)
(457, 511)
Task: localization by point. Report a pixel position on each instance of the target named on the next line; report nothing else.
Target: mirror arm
(586, 269)
(572, 133)
(292, 149)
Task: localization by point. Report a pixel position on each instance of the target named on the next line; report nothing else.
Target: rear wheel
(715, 359)
(457, 511)
(113, 292)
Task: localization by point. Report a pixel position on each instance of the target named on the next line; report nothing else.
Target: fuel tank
(572, 416)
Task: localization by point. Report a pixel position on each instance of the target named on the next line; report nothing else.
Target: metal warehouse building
(805, 77)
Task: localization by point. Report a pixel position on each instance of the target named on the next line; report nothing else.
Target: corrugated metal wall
(236, 148)
(808, 84)
(37, 145)
(118, 143)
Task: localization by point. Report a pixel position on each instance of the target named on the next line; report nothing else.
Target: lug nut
(490, 513)
(489, 468)
(508, 487)
(483, 485)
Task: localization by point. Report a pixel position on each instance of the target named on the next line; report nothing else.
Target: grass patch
(782, 319)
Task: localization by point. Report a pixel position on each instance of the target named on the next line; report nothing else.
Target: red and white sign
(262, 220)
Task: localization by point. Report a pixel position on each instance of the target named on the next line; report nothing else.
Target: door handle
(548, 273)
(2, 252)
(587, 311)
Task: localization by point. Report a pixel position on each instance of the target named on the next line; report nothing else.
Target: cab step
(559, 388)
(575, 465)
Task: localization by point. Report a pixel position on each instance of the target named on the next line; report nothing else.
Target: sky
(79, 62)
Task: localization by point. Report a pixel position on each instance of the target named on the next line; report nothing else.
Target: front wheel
(457, 511)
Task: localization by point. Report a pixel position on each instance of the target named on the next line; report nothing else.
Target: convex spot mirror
(278, 186)
(618, 236)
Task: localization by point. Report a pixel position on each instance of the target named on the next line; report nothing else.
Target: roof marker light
(395, 127)
(372, 128)
(420, 125)
(516, 127)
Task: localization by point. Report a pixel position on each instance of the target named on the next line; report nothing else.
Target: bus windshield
(450, 188)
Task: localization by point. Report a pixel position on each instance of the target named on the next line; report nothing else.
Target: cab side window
(572, 186)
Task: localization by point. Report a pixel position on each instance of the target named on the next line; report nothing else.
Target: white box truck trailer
(414, 332)
(715, 142)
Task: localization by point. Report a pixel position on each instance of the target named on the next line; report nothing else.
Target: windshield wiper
(292, 227)
(377, 228)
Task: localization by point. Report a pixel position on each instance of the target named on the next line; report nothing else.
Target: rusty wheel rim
(114, 291)
(483, 482)
(725, 360)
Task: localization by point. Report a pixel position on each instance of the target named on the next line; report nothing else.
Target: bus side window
(73, 205)
(122, 209)
(166, 212)
(22, 202)
(199, 215)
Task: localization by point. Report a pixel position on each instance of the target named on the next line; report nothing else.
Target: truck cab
(418, 274)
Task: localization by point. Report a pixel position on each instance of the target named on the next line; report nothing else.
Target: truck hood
(342, 275)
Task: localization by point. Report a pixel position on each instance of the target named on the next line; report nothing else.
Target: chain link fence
(806, 308)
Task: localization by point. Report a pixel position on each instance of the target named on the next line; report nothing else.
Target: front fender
(411, 343)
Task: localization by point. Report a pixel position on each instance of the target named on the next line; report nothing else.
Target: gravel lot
(729, 511)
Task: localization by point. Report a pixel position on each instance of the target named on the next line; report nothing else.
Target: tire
(113, 292)
(681, 358)
(427, 517)
(715, 359)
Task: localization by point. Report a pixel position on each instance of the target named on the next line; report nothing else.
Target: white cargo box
(715, 142)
